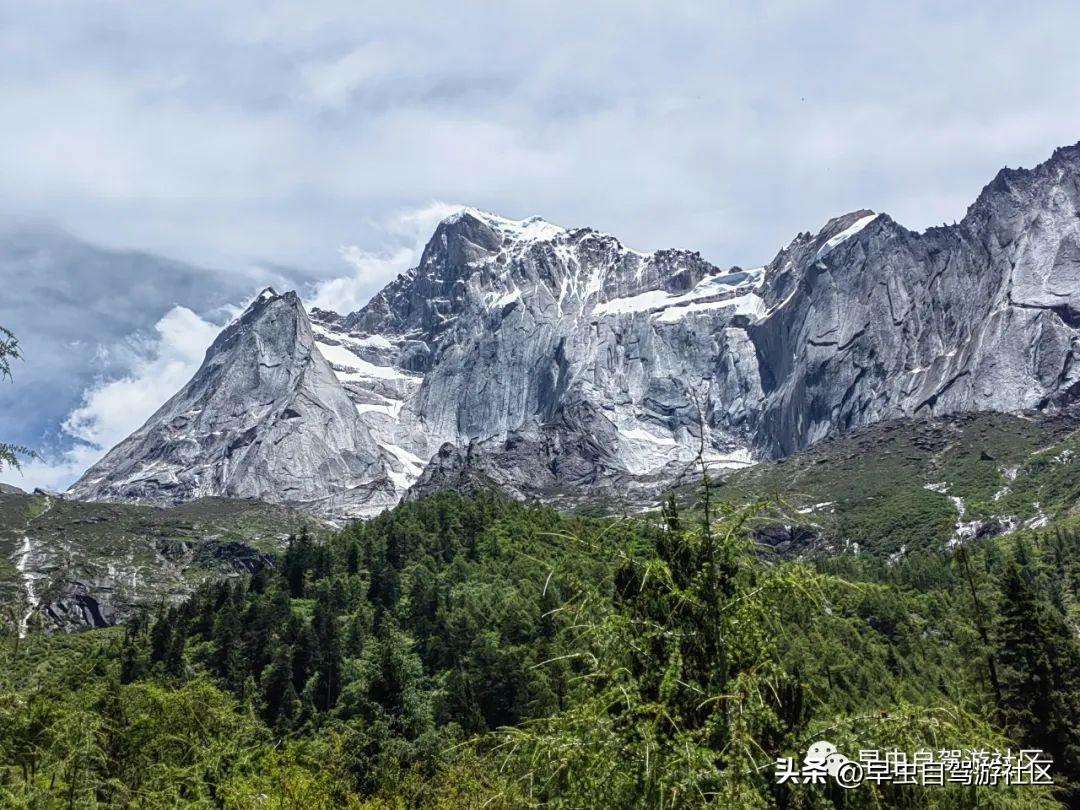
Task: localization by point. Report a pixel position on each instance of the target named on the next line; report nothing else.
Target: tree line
(474, 651)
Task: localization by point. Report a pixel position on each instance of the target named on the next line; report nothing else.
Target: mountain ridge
(557, 358)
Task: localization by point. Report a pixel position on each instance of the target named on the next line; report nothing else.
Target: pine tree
(1040, 669)
(160, 637)
(304, 650)
(352, 558)
(276, 685)
(329, 658)
(355, 634)
(296, 562)
(227, 658)
(132, 665)
(963, 560)
(390, 688)
(174, 658)
(321, 563)
(259, 580)
(257, 624)
(291, 713)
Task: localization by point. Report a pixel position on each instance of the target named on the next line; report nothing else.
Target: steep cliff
(554, 361)
(264, 417)
(869, 321)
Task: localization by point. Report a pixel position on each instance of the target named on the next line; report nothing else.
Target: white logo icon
(822, 759)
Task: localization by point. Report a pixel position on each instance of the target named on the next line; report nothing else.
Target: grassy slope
(870, 486)
(136, 552)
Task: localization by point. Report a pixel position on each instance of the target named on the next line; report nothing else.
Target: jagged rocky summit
(264, 417)
(557, 362)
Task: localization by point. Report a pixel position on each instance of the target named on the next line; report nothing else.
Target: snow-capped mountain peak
(558, 362)
(531, 229)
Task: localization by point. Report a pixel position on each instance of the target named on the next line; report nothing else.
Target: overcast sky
(299, 143)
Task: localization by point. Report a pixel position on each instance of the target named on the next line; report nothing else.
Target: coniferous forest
(471, 651)
(633, 406)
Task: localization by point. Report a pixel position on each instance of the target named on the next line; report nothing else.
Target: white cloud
(112, 410)
(418, 223)
(373, 269)
(54, 475)
(275, 131)
(349, 293)
(333, 83)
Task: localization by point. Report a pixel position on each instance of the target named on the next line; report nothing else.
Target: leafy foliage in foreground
(9, 350)
(477, 652)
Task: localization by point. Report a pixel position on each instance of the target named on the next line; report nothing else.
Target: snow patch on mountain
(556, 360)
(719, 291)
(749, 304)
(349, 366)
(532, 229)
(848, 232)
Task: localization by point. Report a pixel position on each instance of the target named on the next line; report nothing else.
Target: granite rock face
(264, 417)
(597, 358)
(548, 361)
(869, 321)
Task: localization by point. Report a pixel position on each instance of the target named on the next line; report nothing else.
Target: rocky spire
(264, 417)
